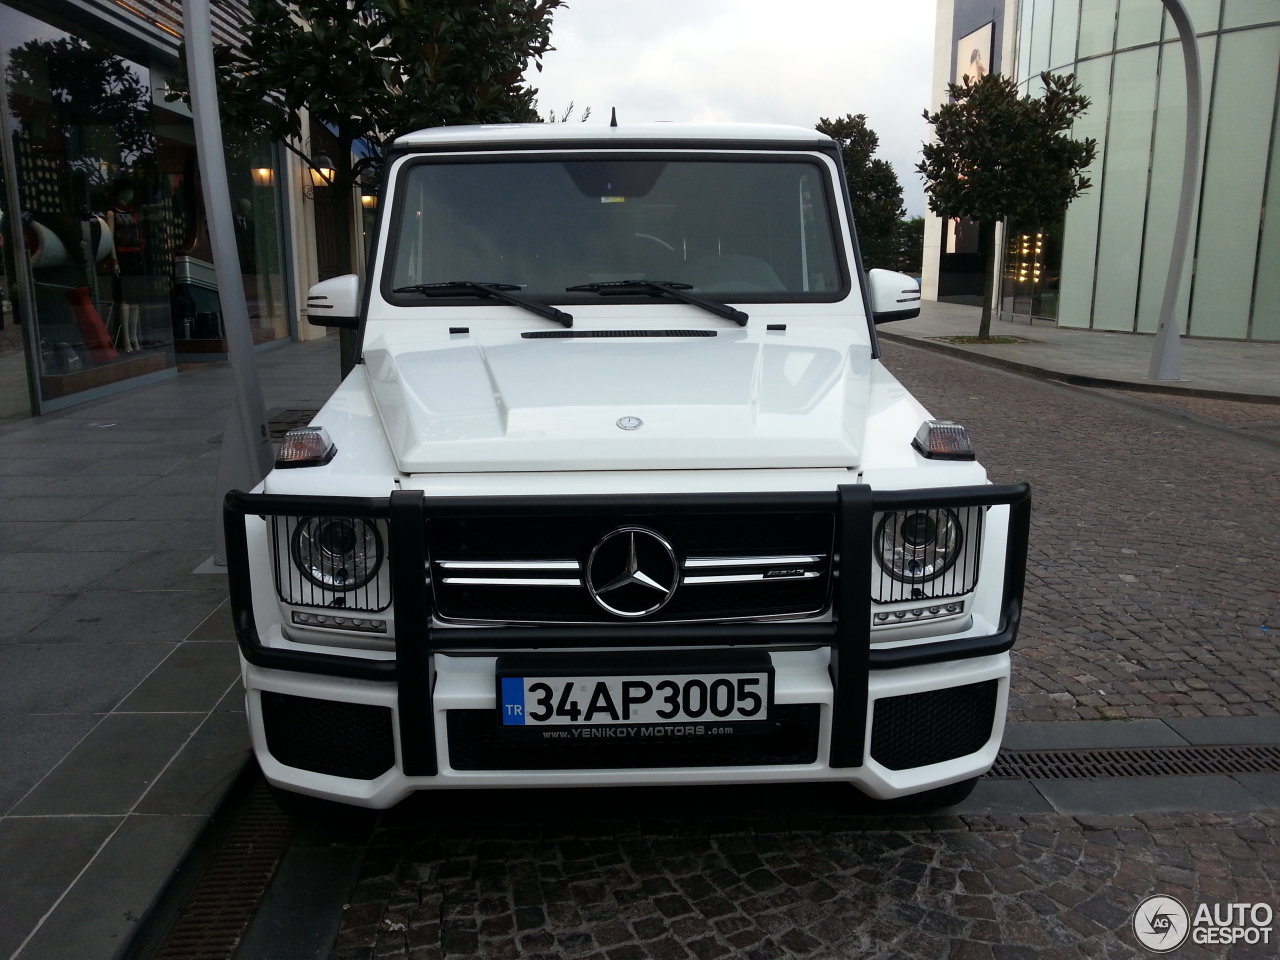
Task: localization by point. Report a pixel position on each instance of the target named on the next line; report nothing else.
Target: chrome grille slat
(748, 578)
(509, 564)
(514, 581)
(693, 563)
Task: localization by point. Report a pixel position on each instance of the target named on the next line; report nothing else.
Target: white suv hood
(737, 399)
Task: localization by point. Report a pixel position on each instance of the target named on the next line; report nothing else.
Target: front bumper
(466, 683)
(832, 665)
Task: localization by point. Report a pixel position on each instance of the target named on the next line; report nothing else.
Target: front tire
(315, 811)
(925, 801)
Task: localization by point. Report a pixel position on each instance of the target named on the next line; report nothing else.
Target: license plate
(640, 706)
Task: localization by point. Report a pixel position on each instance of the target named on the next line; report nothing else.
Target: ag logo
(1160, 923)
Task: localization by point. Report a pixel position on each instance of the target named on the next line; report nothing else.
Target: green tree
(874, 190)
(372, 70)
(908, 246)
(1000, 156)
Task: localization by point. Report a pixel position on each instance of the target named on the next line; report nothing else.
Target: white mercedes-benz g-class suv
(618, 491)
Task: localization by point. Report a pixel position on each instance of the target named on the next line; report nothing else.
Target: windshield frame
(833, 196)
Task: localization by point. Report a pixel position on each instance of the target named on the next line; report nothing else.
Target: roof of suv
(484, 135)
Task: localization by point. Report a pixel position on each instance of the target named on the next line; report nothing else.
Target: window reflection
(95, 214)
(121, 281)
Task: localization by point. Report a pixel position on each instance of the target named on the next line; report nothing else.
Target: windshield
(741, 230)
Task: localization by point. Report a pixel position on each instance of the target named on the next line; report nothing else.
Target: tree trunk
(988, 278)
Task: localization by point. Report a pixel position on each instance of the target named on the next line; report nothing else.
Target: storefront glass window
(251, 176)
(255, 190)
(96, 213)
(14, 399)
(1032, 269)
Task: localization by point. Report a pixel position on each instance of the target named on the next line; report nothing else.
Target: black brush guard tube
(848, 635)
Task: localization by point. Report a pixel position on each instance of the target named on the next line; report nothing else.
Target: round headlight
(918, 545)
(337, 553)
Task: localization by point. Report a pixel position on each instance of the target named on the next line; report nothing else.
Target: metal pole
(1166, 354)
(246, 455)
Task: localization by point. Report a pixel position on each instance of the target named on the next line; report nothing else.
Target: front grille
(536, 569)
(351, 740)
(929, 573)
(923, 728)
(476, 744)
(296, 587)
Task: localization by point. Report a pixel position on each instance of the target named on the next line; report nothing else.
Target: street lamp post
(1166, 354)
(246, 453)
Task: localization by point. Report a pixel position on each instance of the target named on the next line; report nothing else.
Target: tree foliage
(908, 248)
(88, 87)
(999, 155)
(874, 190)
(372, 70)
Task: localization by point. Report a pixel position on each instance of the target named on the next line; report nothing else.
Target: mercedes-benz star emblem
(632, 572)
(630, 423)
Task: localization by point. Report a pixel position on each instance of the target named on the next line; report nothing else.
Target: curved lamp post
(246, 454)
(1166, 355)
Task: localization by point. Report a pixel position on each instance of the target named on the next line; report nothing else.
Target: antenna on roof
(613, 118)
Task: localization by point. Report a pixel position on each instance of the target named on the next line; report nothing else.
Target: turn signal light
(943, 440)
(305, 447)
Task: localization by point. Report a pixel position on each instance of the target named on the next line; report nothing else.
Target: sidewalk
(1222, 369)
(121, 718)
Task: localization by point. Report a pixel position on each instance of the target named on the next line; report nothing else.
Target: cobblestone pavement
(1152, 587)
(1224, 411)
(457, 880)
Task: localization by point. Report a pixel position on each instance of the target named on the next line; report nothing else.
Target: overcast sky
(750, 61)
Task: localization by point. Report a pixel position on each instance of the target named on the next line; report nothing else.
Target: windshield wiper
(657, 288)
(488, 291)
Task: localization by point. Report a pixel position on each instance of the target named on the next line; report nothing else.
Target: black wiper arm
(621, 288)
(488, 291)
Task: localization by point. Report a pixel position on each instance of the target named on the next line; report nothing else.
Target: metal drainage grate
(225, 899)
(1143, 762)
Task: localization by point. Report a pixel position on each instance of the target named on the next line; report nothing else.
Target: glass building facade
(108, 278)
(1104, 265)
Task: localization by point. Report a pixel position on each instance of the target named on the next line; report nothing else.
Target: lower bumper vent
(352, 740)
(923, 728)
(476, 744)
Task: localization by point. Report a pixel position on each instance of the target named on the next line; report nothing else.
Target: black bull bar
(848, 634)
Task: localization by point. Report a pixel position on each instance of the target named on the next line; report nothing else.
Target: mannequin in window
(125, 225)
(244, 236)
